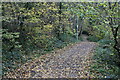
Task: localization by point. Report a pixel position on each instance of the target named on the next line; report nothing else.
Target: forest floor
(70, 62)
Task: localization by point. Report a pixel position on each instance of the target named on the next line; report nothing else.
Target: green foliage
(67, 37)
(93, 38)
(106, 41)
(12, 60)
(32, 29)
(105, 61)
(10, 40)
(11, 51)
(80, 38)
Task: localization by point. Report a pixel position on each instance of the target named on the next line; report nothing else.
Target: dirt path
(72, 62)
(84, 37)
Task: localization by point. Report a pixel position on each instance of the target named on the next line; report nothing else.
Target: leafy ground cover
(69, 62)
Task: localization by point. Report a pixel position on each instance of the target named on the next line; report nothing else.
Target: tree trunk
(114, 30)
(81, 28)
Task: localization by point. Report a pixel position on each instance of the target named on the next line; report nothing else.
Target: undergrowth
(104, 61)
(93, 38)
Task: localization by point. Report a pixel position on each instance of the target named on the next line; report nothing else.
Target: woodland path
(84, 37)
(69, 62)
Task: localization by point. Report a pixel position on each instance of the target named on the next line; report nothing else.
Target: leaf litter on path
(69, 62)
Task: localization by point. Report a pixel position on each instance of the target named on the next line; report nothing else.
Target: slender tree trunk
(81, 28)
(58, 28)
(77, 27)
(114, 29)
(114, 32)
(80, 31)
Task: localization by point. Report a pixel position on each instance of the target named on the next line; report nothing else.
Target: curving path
(70, 62)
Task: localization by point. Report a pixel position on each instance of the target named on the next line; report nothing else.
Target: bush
(10, 41)
(105, 61)
(93, 38)
(11, 50)
(106, 41)
(65, 37)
